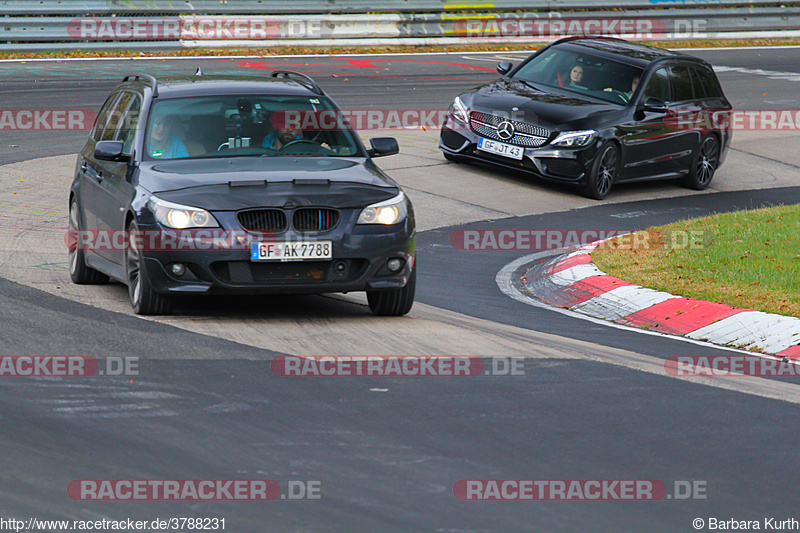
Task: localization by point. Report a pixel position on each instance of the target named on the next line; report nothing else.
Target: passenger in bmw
(164, 143)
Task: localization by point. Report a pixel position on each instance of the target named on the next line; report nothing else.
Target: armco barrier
(28, 24)
(273, 7)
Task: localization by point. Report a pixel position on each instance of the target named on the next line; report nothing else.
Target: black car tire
(394, 302)
(144, 300)
(79, 272)
(704, 165)
(603, 172)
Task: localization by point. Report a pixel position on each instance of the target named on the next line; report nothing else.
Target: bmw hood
(239, 183)
(556, 111)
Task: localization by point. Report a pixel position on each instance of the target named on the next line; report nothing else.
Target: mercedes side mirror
(654, 105)
(504, 67)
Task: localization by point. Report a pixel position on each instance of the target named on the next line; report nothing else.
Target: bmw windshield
(232, 126)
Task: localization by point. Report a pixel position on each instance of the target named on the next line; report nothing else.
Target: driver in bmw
(277, 139)
(283, 135)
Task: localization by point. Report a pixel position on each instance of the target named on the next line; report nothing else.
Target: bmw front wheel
(394, 302)
(79, 272)
(144, 300)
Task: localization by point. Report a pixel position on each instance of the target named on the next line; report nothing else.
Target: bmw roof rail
(138, 77)
(302, 79)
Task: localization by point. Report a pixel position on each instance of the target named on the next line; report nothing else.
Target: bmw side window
(102, 117)
(681, 84)
(658, 86)
(127, 131)
(115, 118)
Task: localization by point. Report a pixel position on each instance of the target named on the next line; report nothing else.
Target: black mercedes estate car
(237, 185)
(595, 112)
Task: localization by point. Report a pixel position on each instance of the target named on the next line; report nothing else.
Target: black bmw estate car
(237, 185)
(595, 112)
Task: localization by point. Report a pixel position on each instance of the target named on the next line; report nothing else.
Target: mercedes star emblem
(505, 130)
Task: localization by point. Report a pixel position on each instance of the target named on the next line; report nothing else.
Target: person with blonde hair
(163, 142)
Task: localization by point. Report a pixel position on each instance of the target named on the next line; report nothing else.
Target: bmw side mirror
(110, 151)
(654, 105)
(382, 146)
(504, 67)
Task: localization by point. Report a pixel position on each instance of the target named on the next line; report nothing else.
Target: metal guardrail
(275, 7)
(137, 24)
(666, 24)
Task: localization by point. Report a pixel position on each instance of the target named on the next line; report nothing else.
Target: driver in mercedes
(626, 96)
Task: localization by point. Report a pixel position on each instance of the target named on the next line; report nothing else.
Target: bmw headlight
(178, 216)
(460, 111)
(388, 212)
(575, 139)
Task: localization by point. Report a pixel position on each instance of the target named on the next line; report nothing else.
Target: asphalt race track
(594, 402)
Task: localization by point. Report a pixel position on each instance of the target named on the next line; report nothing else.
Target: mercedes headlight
(388, 212)
(178, 216)
(575, 139)
(460, 111)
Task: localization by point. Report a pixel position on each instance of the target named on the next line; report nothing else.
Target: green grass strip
(749, 259)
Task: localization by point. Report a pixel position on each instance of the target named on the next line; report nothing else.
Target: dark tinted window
(127, 132)
(658, 86)
(102, 117)
(581, 72)
(115, 117)
(706, 81)
(681, 84)
(247, 125)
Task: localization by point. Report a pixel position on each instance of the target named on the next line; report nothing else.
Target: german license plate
(291, 251)
(495, 147)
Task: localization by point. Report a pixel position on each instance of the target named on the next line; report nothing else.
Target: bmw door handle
(92, 173)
